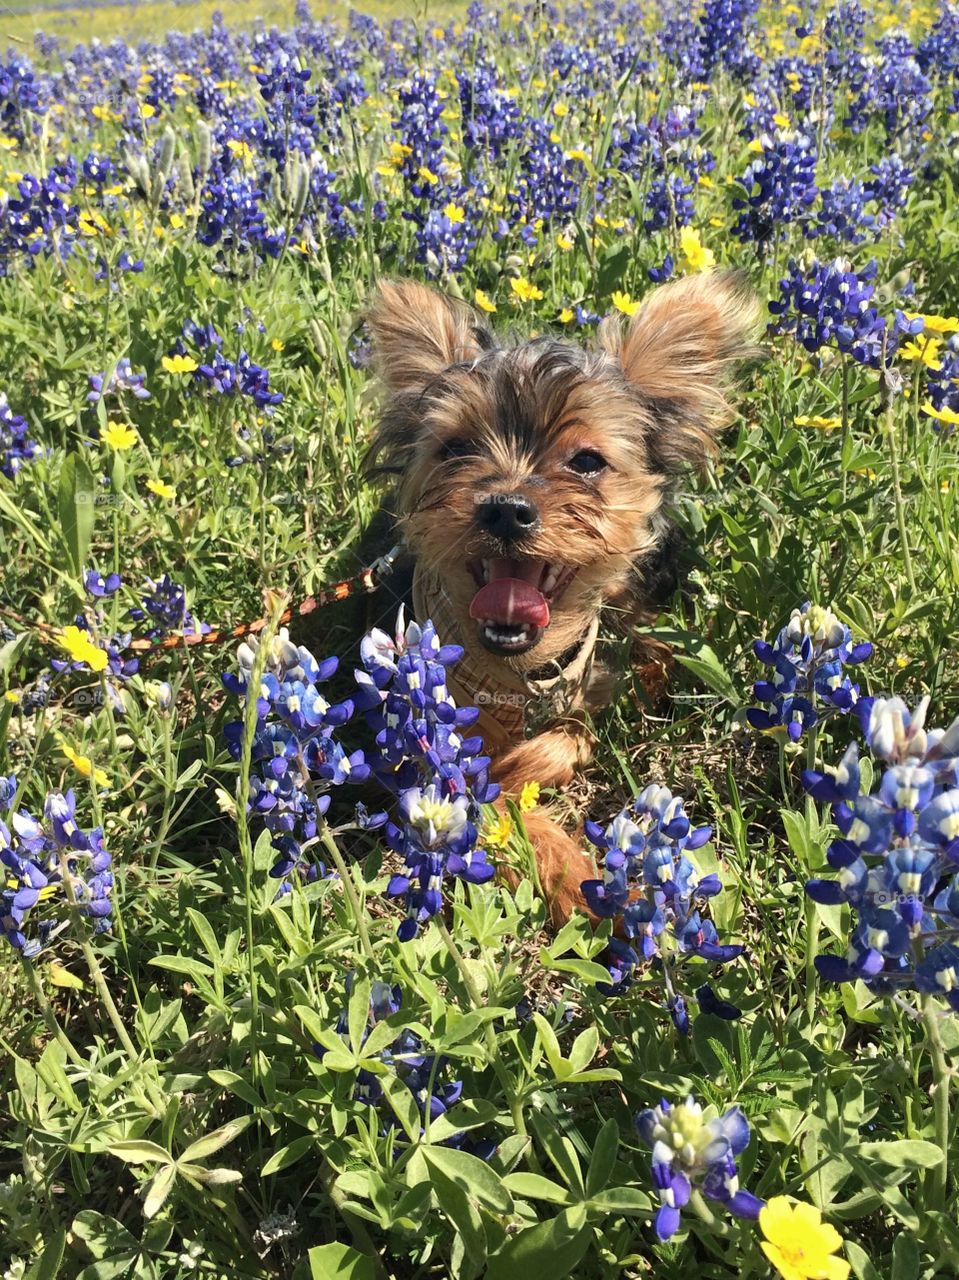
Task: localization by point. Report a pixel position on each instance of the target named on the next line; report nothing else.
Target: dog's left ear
(418, 332)
(677, 353)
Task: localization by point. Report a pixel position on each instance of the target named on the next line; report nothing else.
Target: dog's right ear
(418, 332)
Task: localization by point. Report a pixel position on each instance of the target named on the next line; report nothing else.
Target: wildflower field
(265, 1009)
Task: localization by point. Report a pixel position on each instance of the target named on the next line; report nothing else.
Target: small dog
(531, 481)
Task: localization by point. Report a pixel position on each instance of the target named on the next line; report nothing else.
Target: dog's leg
(561, 866)
(551, 758)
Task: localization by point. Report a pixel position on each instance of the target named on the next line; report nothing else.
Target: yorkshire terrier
(530, 493)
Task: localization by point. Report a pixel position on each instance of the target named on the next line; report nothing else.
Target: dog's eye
(457, 448)
(587, 463)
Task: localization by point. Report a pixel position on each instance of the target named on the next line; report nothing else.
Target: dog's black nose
(508, 516)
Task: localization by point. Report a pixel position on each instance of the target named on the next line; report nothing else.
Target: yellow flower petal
(483, 302)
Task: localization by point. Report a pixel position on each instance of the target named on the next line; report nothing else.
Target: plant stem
(812, 919)
(49, 1017)
(476, 1000)
(349, 886)
(276, 606)
(938, 1176)
(889, 402)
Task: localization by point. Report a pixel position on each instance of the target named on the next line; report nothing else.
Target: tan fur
(649, 399)
(417, 333)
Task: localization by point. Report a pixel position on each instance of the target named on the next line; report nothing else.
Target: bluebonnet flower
(897, 855)
(122, 378)
(165, 603)
(843, 214)
(490, 115)
(97, 586)
(425, 1075)
(439, 775)
(780, 188)
(827, 304)
(652, 889)
(16, 448)
(942, 383)
(724, 27)
(693, 1148)
(50, 865)
(295, 758)
(807, 659)
(889, 186)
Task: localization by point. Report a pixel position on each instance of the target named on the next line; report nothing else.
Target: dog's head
(530, 476)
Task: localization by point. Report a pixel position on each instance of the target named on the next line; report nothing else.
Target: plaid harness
(512, 706)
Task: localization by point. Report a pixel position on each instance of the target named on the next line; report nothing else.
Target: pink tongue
(510, 600)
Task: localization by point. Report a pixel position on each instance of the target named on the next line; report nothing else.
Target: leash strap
(367, 580)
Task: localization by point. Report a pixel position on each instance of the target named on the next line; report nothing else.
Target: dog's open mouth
(513, 602)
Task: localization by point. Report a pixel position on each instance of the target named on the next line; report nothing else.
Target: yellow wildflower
(82, 649)
(624, 303)
(698, 257)
(85, 766)
(483, 302)
(179, 364)
(455, 213)
(162, 489)
(799, 1244)
(427, 175)
(564, 242)
(923, 349)
(525, 290)
(781, 121)
(560, 109)
(498, 832)
(565, 315)
(936, 324)
(756, 146)
(242, 150)
(118, 436)
(820, 423)
(277, 344)
(529, 797)
(948, 416)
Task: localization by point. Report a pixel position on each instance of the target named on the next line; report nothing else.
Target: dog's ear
(676, 353)
(418, 332)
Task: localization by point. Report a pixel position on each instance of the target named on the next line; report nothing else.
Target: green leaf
(77, 504)
(204, 931)
(237, 1084)
(47, 1266)
(158, 1189)
(358, 1012)
(621, 1200)
(475, 1176)
(215, 1141)
(289, 1154)
(707, 666)
(584, 1049)
(460, 1209)
(340, 1262)
(11, 651)
(140, 1151)
(906, 1153)
(533, 1186)
(547, 1038)
(102, 1235)
(861, 1265)
(603, 1159)
(547, 1251)
(905, 1257)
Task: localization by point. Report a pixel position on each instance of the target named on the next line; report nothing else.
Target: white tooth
(549, 582)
